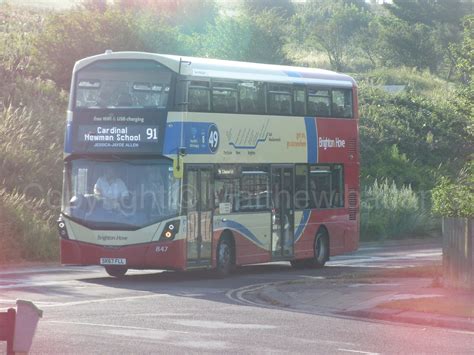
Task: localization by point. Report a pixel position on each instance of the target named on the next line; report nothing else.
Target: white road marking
(112, 326)
(221, 325)
(79, 303)
(26, 284)
(236, 295)
(101, 300)
(375, 284)
(359, 351)
(48, 270)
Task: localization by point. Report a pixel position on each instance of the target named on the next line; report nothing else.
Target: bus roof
(225, 69)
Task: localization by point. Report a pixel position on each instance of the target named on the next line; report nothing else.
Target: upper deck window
(199, 96)
(123, 84)
(279, 99)
(252, 97)
(224, 97)
(319, 102)
(341, 103)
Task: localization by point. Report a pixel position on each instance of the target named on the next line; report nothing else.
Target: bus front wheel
(116, 271)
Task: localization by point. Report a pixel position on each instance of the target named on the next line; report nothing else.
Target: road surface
(87, 312)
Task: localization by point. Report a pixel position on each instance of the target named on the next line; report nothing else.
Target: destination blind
(125, 131)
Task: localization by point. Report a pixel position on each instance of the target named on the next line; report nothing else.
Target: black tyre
(321, 249)
(225, 257)
(116, 271)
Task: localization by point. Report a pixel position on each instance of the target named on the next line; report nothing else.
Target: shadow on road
(206, 285)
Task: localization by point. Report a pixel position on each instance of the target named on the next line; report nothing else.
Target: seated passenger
(110, 188)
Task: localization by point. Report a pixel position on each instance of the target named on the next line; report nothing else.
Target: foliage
(419, 33)
(17, 30)
(72, 35)
(32, 134)
(465, 64)
(428, 131)
(331, 26)
(31, 127)
(420, 82)
(389, 163)
(30, 233)
(455, 199)
(284, 7)
(403, 44)
(388, 211)
(256, 38)
(189, 16)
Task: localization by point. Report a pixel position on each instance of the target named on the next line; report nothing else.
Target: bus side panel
(337, 224)
(251, 233)
(352, 186)
(305, 232)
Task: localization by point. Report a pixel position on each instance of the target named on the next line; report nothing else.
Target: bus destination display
(118, 131)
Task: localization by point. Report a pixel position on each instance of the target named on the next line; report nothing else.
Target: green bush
(31, 131)
(429, 134)
(455, 199)
(32, 138)
(30, 233)
(411, 78)
(388, 211)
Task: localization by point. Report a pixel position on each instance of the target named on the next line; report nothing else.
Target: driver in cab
(111, 189)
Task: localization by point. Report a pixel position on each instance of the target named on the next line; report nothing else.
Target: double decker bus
(179, 163)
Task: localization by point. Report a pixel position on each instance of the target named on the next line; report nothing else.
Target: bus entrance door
(198, 197)
(282, 216)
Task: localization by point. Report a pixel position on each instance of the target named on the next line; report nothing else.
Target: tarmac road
(87, 312)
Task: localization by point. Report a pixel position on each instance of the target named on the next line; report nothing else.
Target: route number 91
(151, 133)
(213, 139)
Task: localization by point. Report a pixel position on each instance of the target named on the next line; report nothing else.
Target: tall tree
(430, 25)
(257, 38)
(332, 26)
(283, 7)
(75, 34)
(190, 15)
(402, 44)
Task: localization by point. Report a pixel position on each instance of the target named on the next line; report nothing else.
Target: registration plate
(113, 261)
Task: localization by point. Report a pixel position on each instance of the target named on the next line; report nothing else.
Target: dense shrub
(388, 211)
(428, 131)
(73, 35)
(32, 130)
(455, 199)
(27, 228)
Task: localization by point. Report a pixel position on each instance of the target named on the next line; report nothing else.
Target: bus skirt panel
(158, 255)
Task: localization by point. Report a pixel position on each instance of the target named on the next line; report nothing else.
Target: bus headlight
(170, 231)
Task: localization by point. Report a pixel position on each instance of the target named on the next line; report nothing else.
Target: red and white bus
(179, 163)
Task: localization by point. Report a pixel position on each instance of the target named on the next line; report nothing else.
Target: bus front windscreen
(120, 194)
(122, 84)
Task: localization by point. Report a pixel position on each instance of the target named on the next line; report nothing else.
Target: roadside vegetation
(414, 70)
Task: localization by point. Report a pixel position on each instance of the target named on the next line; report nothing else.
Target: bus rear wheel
(225, 257)
(116, 271)
(321, 249)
